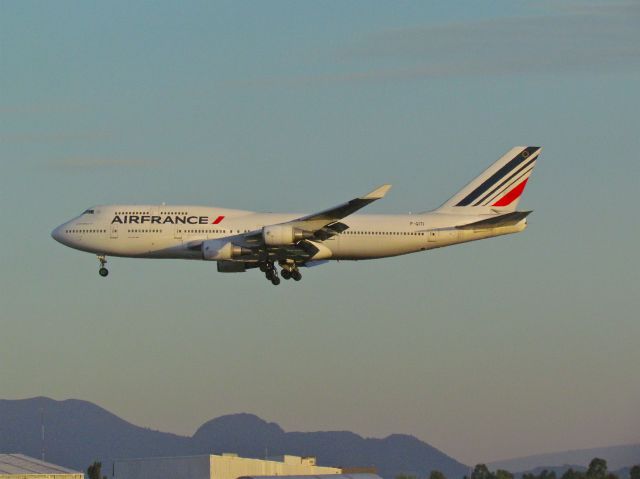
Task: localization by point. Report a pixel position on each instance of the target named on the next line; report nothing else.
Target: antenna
(42, 429)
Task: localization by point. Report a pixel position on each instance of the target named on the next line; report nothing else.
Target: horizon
(285, 430)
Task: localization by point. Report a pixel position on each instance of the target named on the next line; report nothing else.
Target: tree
(547, 474)
(544, 474)
(634, 473)
(597, 469)
(502, 474)
(481, 471)
(571, 474)
(437, 475)
(94, 471)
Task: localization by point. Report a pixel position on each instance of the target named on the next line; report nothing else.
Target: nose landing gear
(103, 271)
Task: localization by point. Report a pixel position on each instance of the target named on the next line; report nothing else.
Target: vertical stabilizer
(499, 188)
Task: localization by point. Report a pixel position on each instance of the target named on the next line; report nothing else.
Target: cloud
(87, 163)
(594, 7)
(595, 37)
(39, 109)
(569, 37)
(55, 137)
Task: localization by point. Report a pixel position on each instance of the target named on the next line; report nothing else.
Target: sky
(513, 346)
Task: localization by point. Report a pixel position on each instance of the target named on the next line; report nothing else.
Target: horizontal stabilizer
(497, 221)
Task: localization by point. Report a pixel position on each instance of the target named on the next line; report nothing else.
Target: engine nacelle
(280, 235)
(221, 249)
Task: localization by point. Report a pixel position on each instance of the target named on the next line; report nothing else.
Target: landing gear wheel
(270, 272)
(103, 260)
(296, 275)
(286, 274)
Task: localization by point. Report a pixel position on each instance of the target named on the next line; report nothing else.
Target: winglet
(377, 193)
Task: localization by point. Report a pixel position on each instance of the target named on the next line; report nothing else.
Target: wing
(325, 224)
(317, 227)
(317, 221)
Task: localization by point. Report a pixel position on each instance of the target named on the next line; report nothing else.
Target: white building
(18, 466)
(211, 466)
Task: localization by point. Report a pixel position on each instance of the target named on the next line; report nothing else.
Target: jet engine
(220, 249)
(280, 235)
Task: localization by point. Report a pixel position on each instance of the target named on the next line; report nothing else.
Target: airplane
(240, 240)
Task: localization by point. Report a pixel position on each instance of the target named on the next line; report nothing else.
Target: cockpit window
(88, 212)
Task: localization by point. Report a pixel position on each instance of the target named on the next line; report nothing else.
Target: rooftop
(319, 476)
(21, 464)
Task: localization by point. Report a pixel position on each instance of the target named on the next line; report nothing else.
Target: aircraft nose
(57, 234)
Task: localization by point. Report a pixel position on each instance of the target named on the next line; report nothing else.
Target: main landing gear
(289, 271)
(103, 271)
(270, 272)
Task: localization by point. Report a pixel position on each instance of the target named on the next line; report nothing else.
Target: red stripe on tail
(510, 197)
(217, 220)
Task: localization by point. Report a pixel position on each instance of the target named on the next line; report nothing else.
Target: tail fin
(499, 187)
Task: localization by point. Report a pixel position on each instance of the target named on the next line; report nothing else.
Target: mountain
(617, 457)
(79, 432)
(623, 473)
(251, 436)
(559, 470)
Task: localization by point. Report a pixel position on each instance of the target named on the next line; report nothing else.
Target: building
(18, 466)
(212, 466)
(324, 476)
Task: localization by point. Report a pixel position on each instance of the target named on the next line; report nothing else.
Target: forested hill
(617, 457)
(80, 432)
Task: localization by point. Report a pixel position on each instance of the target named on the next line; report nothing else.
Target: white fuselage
(160, 231)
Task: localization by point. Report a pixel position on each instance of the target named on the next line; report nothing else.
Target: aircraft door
(114, 232)
(178, 232)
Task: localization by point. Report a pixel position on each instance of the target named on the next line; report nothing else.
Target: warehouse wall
(215, 467)
(190, 467)
(229, 467)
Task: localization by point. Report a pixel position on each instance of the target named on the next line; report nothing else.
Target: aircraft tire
(103, 272)
(296, 275)
(275, 281)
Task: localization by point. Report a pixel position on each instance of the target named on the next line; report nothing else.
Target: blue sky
(513, 346)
